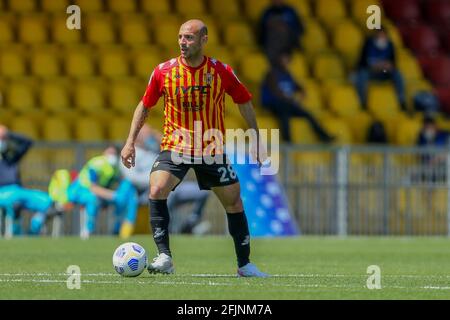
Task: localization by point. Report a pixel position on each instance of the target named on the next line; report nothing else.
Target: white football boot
(161, 264)
(250, 270)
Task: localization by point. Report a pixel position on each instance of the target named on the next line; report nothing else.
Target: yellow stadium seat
(301, 6)
(408, 132)
(359, 124)
(239, 33)
(134, 31)
(298, 67)
(313, 100)
(124, 96)
(6, 30)
(32, 29)
(121, 6)
(88, 129)
(301, 131)
(25, 126)
(315, 39)
(89, 97)
(166, 34)
(391, 122)
(100, 29)
(344, 101)
(53, 6)
(155, 118)
(268, 122)
(61, 34)
(118, 129)
(20, 96)
(255, 8)
(54, 96)
(79, 62)
(328, 67)
(338, 128)
(393, 33)
(359, 10)
(221, 53)
(90, 6)
(45, 62)
(24, 6)
(144, 61)
(408, 66)
(213, 35)
(382, 100)
(113, 64)
(56, 129)
(348, 40)
(12, 62)
(330, 12)
(195, 7)
(156, 7)
(233, 122)
(228, 9)
(254, 67)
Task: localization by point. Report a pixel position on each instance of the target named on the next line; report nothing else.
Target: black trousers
(285, 111)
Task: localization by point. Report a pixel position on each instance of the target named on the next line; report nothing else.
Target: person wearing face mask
(434, 164)
(13, 147)
(377, 62)
(94, 187)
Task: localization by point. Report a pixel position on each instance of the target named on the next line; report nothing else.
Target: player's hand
(258, 152)
(128, 155)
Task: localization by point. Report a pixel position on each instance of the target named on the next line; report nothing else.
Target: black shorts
(208, 174)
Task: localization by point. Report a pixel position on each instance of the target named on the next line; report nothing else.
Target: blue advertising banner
(265, 202)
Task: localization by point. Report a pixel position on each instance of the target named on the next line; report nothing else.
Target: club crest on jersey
(208, 78)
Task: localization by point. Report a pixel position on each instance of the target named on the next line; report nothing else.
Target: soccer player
(193, 87)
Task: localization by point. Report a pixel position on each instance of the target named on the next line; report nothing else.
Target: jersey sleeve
(154, 89)
(234, 87)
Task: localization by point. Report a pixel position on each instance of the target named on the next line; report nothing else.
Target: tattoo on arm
(139, 117)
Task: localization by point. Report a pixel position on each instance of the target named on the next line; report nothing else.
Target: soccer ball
(130, 259)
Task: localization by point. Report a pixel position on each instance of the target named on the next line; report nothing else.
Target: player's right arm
(128, 153)
(153, 92)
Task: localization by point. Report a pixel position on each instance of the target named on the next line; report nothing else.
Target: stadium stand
(108, 62)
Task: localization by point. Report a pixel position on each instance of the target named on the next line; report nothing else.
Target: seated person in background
(147, 147)
(279, 96)
(94, 186)
(280, 29)
(12, 149)
(377, 62)
(434, 165)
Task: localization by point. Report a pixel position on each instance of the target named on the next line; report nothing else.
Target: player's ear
(204, 39)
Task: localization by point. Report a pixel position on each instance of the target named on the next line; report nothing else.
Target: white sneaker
(250, 270)
(161, 264)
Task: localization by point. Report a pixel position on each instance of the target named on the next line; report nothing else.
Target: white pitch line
(214, 275)
(210, 283)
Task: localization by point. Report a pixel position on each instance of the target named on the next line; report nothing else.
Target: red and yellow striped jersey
(190, 95)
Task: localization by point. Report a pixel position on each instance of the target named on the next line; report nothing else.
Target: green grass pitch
(302, 268)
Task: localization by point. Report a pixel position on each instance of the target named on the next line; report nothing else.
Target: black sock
(159, 221)
(238, 228)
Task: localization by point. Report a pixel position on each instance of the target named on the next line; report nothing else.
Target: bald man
(194, 88)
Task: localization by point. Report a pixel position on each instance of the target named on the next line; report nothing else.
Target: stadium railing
(332, 190)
